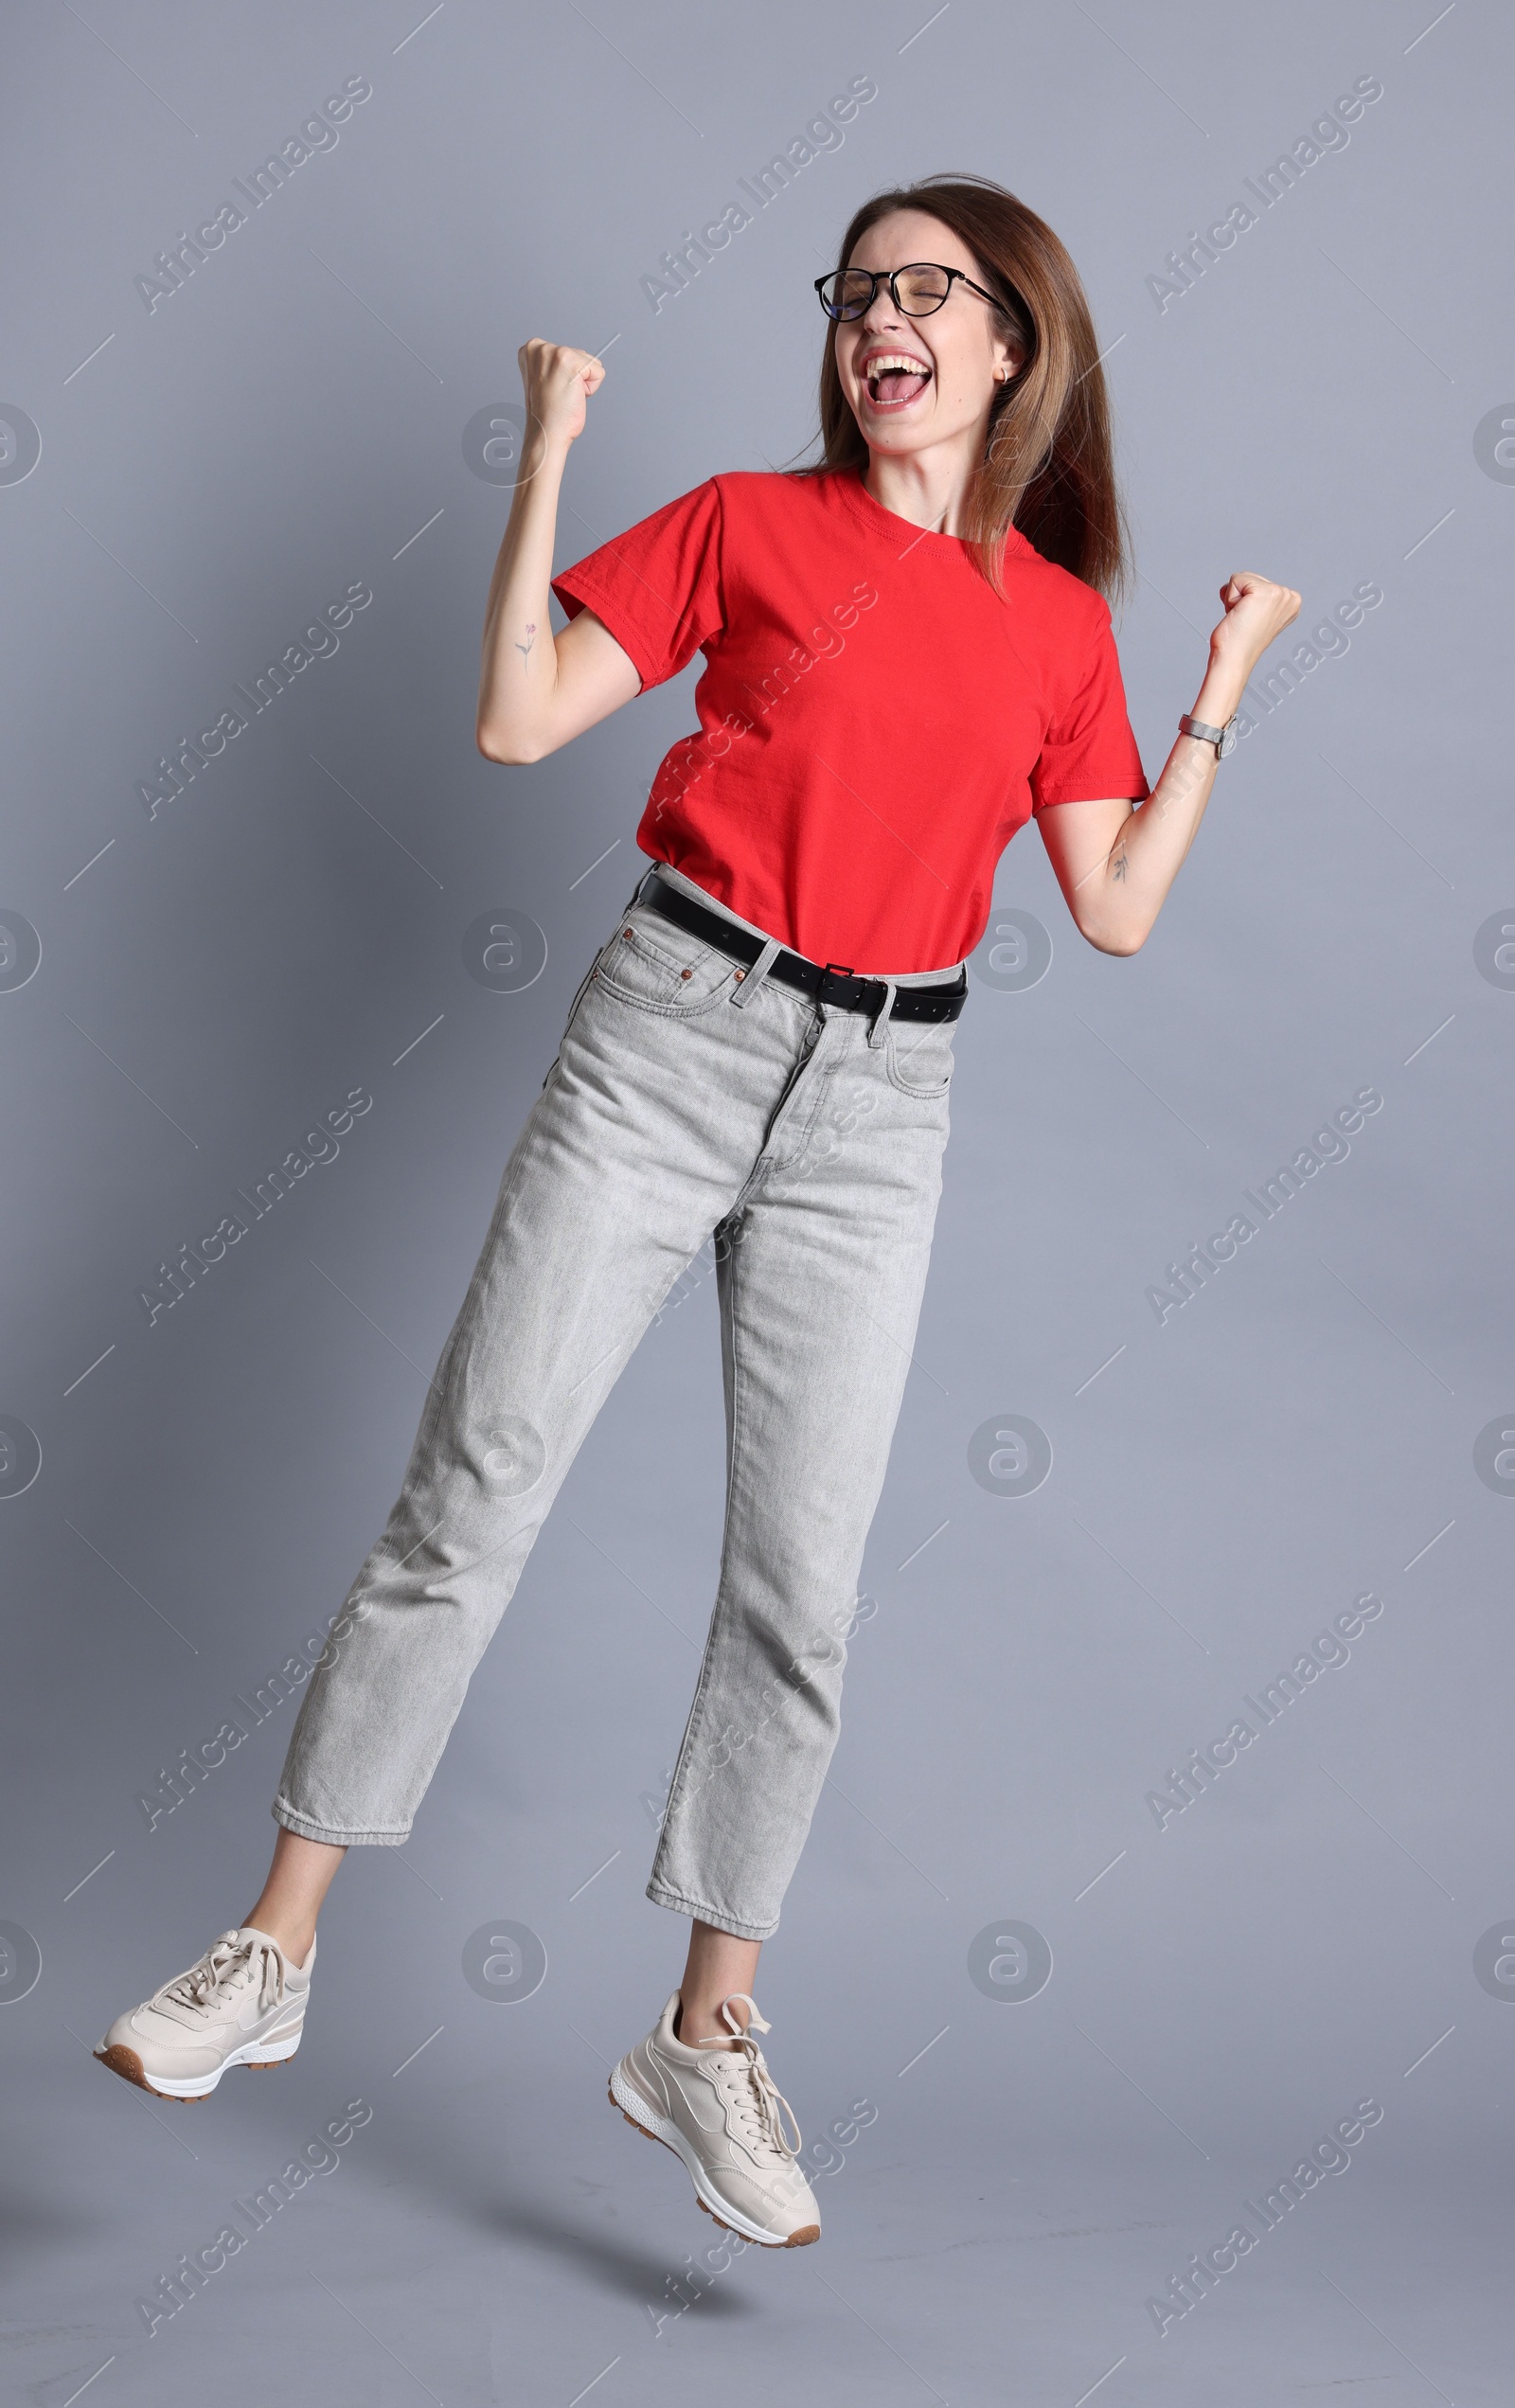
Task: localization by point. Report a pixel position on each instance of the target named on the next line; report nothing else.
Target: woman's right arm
(537, 690)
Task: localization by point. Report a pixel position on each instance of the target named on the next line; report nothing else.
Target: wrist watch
(1224, 739)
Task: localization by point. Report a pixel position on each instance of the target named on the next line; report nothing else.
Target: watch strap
(1222, 738)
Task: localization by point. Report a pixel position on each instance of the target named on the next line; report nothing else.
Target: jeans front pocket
(920, 1056)
(655, 963)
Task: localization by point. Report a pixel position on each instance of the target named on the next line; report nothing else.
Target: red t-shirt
(875, 721)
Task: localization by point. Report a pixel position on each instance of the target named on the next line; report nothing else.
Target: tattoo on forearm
(524, 649)
(1118, 868)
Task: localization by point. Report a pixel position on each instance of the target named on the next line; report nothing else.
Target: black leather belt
(831, 983)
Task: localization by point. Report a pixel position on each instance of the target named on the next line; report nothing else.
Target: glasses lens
(847, 294)
(922, 289)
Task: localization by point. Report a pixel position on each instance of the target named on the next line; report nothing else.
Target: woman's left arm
(1115, 860)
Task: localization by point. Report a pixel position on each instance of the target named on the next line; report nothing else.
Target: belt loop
(879, 1023)
(747, 979)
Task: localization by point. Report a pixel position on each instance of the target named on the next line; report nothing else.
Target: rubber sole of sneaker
(657, 2128)
(126, 2063)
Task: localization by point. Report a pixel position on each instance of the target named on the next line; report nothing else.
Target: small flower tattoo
(524, 649)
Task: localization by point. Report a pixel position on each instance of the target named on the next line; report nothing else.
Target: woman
(908, 654)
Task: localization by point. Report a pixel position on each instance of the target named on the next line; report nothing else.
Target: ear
(1009, 356)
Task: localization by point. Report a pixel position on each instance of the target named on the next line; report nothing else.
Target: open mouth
(894, 378)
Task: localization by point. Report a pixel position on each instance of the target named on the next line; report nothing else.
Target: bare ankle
(296, 1939)
(291, 1898)
(720, 1971)
(697, 2021)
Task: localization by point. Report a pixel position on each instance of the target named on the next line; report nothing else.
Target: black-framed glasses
(916, 291)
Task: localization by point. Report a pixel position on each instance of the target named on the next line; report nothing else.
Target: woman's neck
(927, 488)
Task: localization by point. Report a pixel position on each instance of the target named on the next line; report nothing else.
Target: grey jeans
(685, 1103)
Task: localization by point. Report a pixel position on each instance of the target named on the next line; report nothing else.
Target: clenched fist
(558, 381)
(1256, 610)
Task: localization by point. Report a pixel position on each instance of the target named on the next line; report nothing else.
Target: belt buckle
(830, 972)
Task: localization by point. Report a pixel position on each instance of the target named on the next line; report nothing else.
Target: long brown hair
(1047, 468)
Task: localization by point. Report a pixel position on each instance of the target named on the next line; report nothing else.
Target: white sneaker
(242, 2005)
(715, 2105)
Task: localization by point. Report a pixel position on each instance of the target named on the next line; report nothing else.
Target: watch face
(1228, 740)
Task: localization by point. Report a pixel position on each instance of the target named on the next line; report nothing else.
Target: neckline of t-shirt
(855, 493)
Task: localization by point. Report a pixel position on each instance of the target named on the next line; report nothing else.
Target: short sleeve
(1088, 752)
(657, 587)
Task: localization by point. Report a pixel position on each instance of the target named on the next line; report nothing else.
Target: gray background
(1224, 1988)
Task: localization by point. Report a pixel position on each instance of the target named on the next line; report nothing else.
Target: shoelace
(221, 1963)
(760, 2104)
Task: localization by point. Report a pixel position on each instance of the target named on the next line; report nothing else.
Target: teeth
(885, 360)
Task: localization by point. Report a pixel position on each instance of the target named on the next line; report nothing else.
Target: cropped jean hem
(713, 1914)
(304, 1829)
